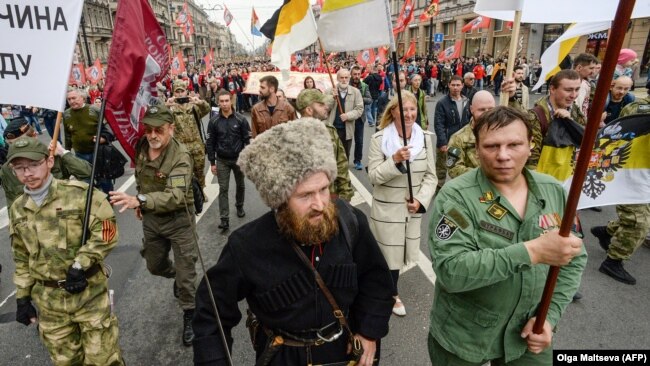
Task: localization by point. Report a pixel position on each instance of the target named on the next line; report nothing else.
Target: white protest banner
(38, 39)
(292, 86)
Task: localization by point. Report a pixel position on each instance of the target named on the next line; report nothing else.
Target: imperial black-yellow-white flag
(619, 168)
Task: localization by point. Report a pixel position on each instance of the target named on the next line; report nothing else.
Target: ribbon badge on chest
(487, 197)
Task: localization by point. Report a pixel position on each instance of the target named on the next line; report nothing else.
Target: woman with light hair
(394, 220)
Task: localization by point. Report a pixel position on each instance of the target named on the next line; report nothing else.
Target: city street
(610, 316)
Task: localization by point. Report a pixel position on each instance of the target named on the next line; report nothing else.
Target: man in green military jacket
(461, 152)
(493, 237)
(163, 176)
(65, 165)
(55, 271)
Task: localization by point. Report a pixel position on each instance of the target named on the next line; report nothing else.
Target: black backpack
(110, 162)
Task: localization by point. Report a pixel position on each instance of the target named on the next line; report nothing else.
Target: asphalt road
(610, 316)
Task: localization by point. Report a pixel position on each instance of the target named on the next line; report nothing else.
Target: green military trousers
(78, 329)
(441, 357)
(629, 231)
(197, 151)
(175, 232)
(441, 167)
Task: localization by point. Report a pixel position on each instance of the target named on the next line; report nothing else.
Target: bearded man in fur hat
(277, 263)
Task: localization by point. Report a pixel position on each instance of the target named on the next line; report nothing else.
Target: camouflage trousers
(174, 232)
(78, 329)
(197, 151)
(441, 167)
(629, 231)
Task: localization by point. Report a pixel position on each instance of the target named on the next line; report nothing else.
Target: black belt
(93, 270)
(327, 334)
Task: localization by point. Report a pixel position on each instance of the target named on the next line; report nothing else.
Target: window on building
(551, 33)
(498, 25)
(449, 28)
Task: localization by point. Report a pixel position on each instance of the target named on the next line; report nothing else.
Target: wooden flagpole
(614, 44)
(327, 65)
(512, 54)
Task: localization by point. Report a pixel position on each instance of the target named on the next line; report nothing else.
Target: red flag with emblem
(366, 57)
(450, 52)
(95, 73)
(209, 59)
(77, 75)
(382, 54)
(178, 64)
(476, 23)
(431, 11)
(405, 17)
(139, 45)
(185, 21)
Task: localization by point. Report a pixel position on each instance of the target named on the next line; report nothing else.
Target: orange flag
(382, 54)
(366, 57)
(410, 52)
(95, 73)
(77, 75)
(178, 65)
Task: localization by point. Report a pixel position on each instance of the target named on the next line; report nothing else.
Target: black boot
(188, 332)
(225, 224)
(604, 239)
(240, 211)
(614, 269)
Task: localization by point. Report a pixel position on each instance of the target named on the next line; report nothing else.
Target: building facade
(495, 40)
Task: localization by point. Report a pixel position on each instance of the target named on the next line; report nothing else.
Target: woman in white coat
(393, 220)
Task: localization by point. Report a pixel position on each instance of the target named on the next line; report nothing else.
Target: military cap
(158, 115)
(27, 147)
(179, 85)
(309, 96)
(16, 128)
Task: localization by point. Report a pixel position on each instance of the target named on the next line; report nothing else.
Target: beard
(343, 86)
(303, 231)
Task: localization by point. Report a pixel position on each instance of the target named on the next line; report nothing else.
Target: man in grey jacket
(347, 107)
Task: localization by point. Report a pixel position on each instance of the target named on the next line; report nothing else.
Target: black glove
(25, 310)
(75, 280)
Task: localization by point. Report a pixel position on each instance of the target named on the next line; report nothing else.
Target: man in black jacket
(452, 113)
(228, 134)
(270, 262)
(374, 82)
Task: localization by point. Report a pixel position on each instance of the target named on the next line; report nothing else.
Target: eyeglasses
(31, 167)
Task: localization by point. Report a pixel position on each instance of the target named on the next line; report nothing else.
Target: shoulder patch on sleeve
(177, 181)
(455, 215)
(445, 228)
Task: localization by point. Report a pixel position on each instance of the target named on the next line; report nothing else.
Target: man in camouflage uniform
(163, 176)
(621, 237)
(564, 89)
(188, 114)
(461, 152)
(62, 276)
(313, 103)
(66, 164)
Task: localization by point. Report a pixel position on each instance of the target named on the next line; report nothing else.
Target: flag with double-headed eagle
(619, 167)
(431, 11)
(184, 20)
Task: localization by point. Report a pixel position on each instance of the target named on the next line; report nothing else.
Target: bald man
(461, 153)
(618, 97)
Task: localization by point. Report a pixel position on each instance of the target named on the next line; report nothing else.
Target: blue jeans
(368, 113)
(358, 140)
(106, 185)
(33, 121)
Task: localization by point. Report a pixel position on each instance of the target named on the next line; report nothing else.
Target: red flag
(139, 45)
(178, 64)
(509, 25)
(366, 57)
(331, 56)
(185, 21)
(208, 59)
(410, 52)
(404, 18)
(227, 15)
(95, 73)
(450, 52)
(77, 75)
(383, 54)
(431, 11)
(476, 23)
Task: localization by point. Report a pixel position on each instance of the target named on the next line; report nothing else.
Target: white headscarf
(392, 142)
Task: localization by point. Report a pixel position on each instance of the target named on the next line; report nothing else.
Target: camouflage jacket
(639, 106)
(461, 152)
(186, 129)
(341, 185)
(64, 167)
(167, 180)
(46, 240)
